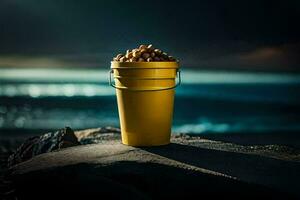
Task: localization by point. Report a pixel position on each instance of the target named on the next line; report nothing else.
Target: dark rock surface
(98, 135)
(118, 171)
(42, 144)
(57, 140)
(190, 167)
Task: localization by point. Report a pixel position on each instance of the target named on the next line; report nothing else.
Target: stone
(42, 144)
(119, 171)
(189, 167)
(98, 135)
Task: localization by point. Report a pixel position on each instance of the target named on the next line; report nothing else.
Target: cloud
(262, 55)
(282, 57)
(30, 61)
(246, 57)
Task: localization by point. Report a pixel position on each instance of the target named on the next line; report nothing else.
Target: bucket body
(145, 96)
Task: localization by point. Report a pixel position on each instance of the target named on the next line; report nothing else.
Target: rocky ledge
(93, 162)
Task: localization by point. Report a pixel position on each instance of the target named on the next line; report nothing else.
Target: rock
(61, 139)
(98, 135)
(188, 167)
(42, 144)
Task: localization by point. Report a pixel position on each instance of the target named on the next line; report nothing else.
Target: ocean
(207, 102)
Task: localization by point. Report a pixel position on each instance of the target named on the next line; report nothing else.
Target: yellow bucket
(145, 96)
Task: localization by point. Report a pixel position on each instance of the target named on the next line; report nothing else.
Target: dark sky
(250, 35)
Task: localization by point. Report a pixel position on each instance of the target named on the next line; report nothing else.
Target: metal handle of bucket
(126, 88)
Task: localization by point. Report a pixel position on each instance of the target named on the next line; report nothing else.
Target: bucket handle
(126, 88)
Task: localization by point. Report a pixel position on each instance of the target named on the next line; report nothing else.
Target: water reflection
(220, 102)
(54, 89)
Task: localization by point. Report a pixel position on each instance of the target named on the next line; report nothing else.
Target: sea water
(206, 101)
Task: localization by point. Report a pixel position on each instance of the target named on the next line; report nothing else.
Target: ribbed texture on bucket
(145, 95)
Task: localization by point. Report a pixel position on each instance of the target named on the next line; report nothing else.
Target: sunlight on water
(238, 127)
(101, 76)
(78, 82)
(206, 77)
(52, 90)
(54, 75)
(221, 102)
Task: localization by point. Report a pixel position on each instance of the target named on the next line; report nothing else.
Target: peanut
(150, 48)
(133, 59)
(149, 59)
(142, 47)
(146, 55)
(156, 58)
(164, 55)
(129, 55)
(119, 55)
(122, 59)
(171, 58)
(157, 51)
(136, 54)
(143, 51)
(141, 60)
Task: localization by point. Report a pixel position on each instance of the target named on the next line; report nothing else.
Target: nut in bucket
(144, 53)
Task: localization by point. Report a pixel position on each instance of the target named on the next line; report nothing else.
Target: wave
(236, 128)
(287, 93)
(101, 76)
(36, 90)
(206, 102)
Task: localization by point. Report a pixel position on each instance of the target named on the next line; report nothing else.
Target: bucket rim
(144, 65)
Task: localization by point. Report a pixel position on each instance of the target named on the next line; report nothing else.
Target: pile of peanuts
(145, 53)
